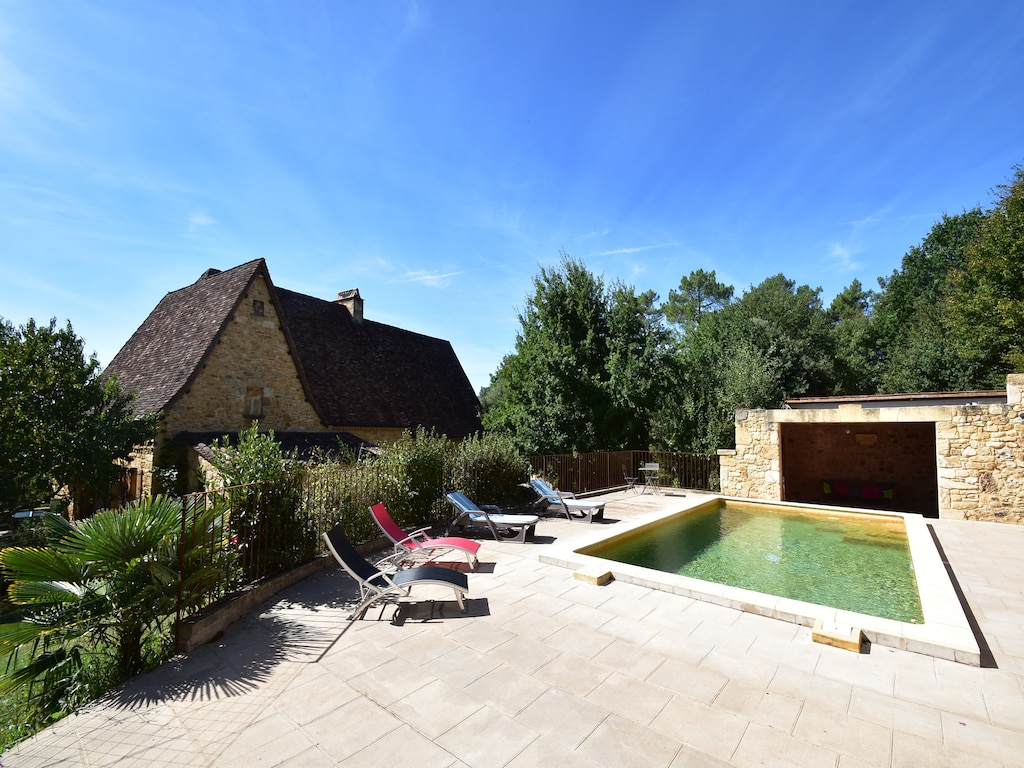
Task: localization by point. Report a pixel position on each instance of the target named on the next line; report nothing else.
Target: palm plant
(101, 588)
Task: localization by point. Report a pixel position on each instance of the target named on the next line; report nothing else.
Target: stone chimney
(352, 301)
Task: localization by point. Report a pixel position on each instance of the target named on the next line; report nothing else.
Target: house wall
(141, 461)
(248, 375)
(979, 452)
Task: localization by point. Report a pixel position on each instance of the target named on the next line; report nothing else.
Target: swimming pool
(855, 562)
(944, 632)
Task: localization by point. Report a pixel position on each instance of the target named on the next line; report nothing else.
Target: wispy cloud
(593, 234)
(433, 279)
(31, 112)
(198, 221)
(843, 257)
(637, 249)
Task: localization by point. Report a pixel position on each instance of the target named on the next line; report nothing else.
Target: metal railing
(237, 536)
(593, 472)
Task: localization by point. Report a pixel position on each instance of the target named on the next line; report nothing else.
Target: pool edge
(945, 632)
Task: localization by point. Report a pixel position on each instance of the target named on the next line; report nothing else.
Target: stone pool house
(232, 348)
(954, 455)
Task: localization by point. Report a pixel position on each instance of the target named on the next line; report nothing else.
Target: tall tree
(637, 355)
(986, 306)
(771, 343)
(788, 324)
(856, 364)
(699, 293)
(62, 425)
(909, 320)
(584, 372)
(553, 382)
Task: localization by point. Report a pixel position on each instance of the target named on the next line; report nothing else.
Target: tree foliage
(788, 325)
(257, 457)
(699, 293)
(773, 342)
(62, 424)
(596, 369)
(915, 350)
(986, 294)
(580, 378)
(856, 360)
(266, 519)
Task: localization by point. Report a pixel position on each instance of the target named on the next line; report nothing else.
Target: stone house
(956, 455)
(232, 348)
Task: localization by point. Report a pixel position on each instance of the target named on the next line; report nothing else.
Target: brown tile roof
(163, 356)
(356, 374)
(373, 375)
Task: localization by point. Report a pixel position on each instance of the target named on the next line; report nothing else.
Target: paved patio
(545, 670)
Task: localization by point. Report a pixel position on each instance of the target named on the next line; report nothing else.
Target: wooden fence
(593, 472)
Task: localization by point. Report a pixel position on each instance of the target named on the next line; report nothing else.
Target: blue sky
(436, 154)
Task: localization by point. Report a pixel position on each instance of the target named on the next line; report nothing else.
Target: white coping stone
(834, 628)
(945, 633)
(833, 633)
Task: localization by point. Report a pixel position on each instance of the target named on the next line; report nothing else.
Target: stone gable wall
(248, 375)
(979, 452)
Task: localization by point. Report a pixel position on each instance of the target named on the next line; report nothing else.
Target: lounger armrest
(412, 536)
(490, 509)
(392, 561)
(567, 494)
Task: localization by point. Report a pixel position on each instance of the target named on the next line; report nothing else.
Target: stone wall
(981, 463)
(979, 452)
(248, 375)
(142, 462)
(754, 468)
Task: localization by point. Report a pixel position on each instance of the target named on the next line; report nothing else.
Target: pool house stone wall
(978, 461)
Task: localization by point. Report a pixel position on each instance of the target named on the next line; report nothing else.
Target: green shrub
(489, 469)
(264, 489)
(95, 604)
(411, 477)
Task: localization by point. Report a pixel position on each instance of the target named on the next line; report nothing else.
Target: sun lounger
(418, 545)
(574, 509)
(375, 584)
(503, 527)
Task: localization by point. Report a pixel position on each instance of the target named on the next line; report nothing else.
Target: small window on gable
(257, 307)
(253, 402)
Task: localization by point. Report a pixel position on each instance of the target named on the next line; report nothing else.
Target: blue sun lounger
(503, 527)
(574, 509)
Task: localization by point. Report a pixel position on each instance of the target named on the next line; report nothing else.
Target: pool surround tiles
(944, 633)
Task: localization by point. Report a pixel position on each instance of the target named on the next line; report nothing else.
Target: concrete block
(593, 575)
(837, 635)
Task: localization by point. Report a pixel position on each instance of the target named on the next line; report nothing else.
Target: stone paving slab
(544, 670)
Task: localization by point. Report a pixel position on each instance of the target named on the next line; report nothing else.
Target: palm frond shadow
(222, 669)
(299, 626)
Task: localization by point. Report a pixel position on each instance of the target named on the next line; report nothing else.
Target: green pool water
(854, 562)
